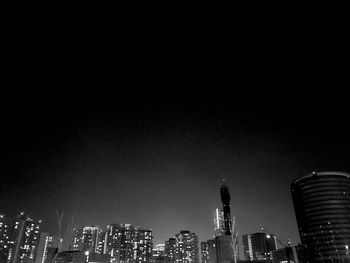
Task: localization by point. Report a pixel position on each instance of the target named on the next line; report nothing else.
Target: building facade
(257, 246)
(208, 251)
(77, 241)
(159, 253)
(322, 207)
(170, 250)
(91, 238)
(289, 254)
(47, 248)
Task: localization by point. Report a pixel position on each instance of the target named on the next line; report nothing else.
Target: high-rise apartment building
(6, 237)
(143, 246)
(19, 239)
(101, 241)
(127, 243)
(182, 248)
(258, 246)
(322, 207)
(77, 242)
(186, 247)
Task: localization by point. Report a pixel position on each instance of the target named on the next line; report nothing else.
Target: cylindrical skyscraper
(226, 198)
(322, 207)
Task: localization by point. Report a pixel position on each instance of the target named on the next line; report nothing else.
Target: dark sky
(140, 128)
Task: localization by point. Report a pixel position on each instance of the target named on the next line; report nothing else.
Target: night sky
(143, 134)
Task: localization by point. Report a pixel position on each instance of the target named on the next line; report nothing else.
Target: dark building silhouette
(257, 246)
(50, 254)
(226, 198)
(71, 256)
(293, 254)
(224, 250)
(322, 207)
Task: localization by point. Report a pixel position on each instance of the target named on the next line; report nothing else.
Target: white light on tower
(217, 218)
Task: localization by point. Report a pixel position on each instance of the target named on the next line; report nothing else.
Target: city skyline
(175, 151)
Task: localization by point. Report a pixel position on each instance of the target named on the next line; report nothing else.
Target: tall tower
(226, 198)
(223, 243)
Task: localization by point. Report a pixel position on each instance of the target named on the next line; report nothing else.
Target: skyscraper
(258, 246)
(25, 238)
(322, 207)
(186, 247)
